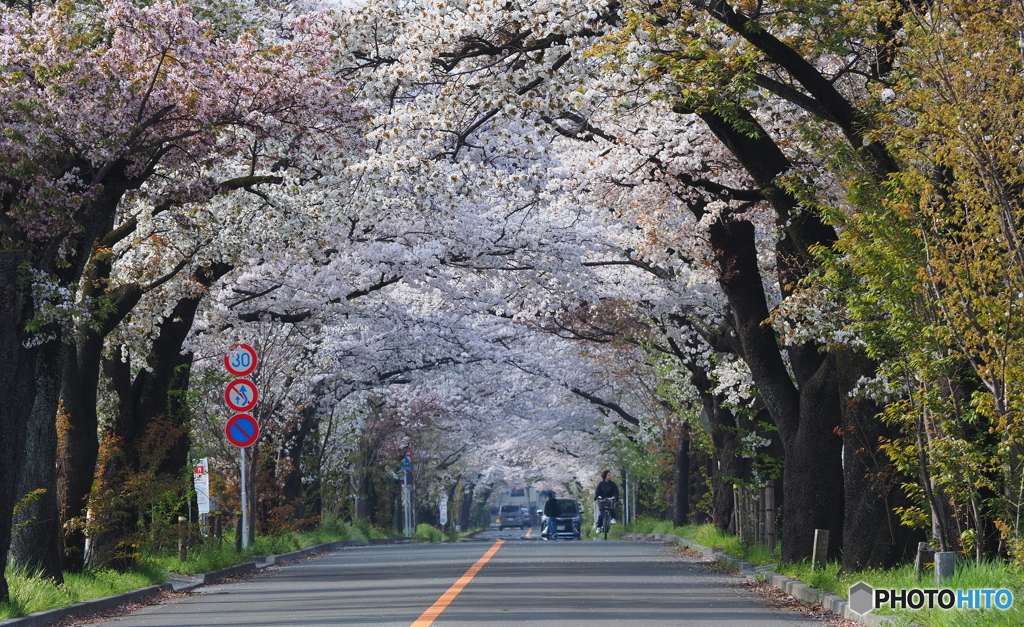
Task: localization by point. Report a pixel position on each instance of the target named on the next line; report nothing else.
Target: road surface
(504, 578)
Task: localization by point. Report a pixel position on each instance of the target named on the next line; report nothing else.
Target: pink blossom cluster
(144, 98)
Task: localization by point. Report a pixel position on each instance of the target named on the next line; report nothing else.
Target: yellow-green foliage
(430, 533)
(937, 266)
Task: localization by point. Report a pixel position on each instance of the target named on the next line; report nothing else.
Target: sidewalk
(180, 583)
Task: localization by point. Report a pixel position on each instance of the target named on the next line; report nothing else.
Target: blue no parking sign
(242, 430)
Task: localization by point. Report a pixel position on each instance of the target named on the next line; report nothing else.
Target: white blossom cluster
(734, 382)
(489, 171)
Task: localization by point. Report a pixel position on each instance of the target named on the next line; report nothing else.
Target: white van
(511, 516)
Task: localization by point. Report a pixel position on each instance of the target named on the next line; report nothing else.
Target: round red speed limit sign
(240, 360)
(241, 395)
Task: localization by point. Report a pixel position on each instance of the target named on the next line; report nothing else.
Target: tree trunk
(813, 489)
(40, 524)
(466, 508)
(873, 536)
(79, 441)
(292, 453)
(109, 528)
(806, 416)
(35, 543)
(681, 493)
(18, 391)
(729, 468)
(699, 485)
(79, 447)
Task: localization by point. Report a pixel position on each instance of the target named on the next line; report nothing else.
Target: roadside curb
(45, 617)
(797, 589)
(181, 584)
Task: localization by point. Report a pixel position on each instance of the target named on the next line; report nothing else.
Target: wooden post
(744, 515)
(215, 526)
(820, 555)
(760, 517)
(736, 513)
(182, 537)
(925, 555)
(752, 515)
(769, 514)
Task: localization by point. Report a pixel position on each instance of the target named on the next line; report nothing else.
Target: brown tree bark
(17, 389)
(79, 442)
(806, 411)
(872, 535)
(36, 540)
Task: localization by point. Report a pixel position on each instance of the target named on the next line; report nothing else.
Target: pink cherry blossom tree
(115, 103)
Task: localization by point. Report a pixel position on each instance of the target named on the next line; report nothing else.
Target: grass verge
(969, 575)
(214, 555)
(31, 593)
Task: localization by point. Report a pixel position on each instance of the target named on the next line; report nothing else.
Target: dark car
(567, 522)
(511, 516)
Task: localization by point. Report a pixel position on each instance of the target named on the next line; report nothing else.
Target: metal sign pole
(245, 509)
(405, 509)
(242, 430)
(626, 508)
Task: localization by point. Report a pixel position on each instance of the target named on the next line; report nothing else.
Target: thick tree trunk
(813, 490)
(729, 468)
(726, 465)
(18, 391)
(35, 543)
(109, 528)
(466, 508)
(699, 485)
(79, 445)
(740, 279)
(873, 536)
(807, 417)
(290, 464)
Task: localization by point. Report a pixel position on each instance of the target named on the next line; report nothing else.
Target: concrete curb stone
(831, 602)
(45, 617)
(82, 608)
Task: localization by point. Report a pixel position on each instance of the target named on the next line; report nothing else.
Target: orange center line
(435, 610)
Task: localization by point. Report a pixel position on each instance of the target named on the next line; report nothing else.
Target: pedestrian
(551, 511)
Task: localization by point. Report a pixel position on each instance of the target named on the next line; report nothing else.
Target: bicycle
(606, 507)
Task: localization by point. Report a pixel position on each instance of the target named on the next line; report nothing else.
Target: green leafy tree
(935, 260)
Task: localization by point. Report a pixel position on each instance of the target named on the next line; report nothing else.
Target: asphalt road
(621, 583)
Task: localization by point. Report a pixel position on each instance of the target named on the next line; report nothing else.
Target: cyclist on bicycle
(606, 489)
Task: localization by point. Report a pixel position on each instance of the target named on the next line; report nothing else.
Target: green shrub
(429, 532)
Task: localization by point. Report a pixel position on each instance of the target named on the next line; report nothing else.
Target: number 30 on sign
(240, 360)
